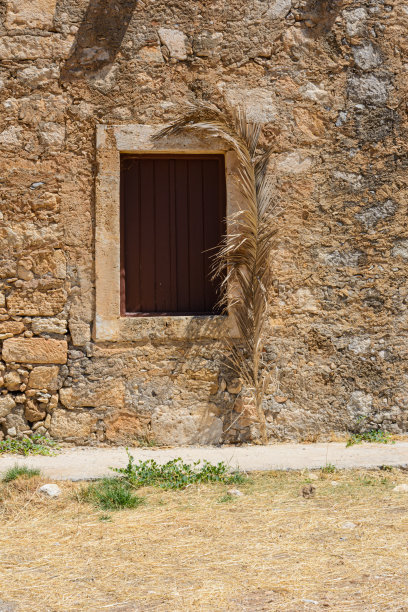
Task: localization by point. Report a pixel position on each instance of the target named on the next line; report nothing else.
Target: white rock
(334, 483)
(400, 249)
(367, 89)
(355, 21)
(367, 56)
(279, 9)
(49, 325)
(294, 163)
(52, 490)
(313, 477)
(258, 102)
(11, 137)
(348, 525)
(235, 492)
(12, 431)
(359, 344)
(310, 91)
(52, 134)
(402, 488)
(360, 403)
(7, 404)
(175, 41)
(34, 77)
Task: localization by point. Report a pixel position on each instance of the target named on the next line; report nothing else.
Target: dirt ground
(345, 548)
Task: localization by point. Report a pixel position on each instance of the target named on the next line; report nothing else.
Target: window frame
(110, 324)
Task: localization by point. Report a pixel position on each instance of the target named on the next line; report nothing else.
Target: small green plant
(374, 435)
(386, 468)
(36, 445)
(329, 468)
(20, 471)
(176, 474)
(225, 499)
(111, 494)
(146, 442)
(105, 518)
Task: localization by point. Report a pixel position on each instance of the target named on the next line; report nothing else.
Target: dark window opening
(173, 210)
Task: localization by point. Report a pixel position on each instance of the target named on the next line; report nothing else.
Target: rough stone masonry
(329, 79)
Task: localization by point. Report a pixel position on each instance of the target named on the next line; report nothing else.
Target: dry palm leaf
(242, 261)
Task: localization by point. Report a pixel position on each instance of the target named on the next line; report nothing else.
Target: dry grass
(271, 549)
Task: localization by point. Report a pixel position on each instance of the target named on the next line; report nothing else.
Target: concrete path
(82, 463)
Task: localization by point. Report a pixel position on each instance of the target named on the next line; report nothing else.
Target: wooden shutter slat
(196, 256)
(164, 301)
(147, 230)
(182, 245)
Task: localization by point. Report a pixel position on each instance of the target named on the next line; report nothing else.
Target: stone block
(176, 425)
(49, 326)
(51, 134)
(17, 48)
(10, 138)
(72, 425)
(80, 333)
(36, 77)
(22, 14)
(12, 381)
(125, 426)
(8, 329)
(37, 303)
(7, 404)
(175, 41)
(44, 377)
(100, 394)
(367, 89)
(33, 412)
(35, 350)
(17, 421)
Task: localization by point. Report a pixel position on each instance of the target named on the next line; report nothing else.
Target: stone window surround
(111, 141)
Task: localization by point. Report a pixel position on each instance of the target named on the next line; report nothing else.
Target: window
(168, 255)
(172, 217)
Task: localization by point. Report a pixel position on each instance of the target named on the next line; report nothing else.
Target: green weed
(111, 494)
(105, 518)
(176, 474)
(225, 499)
(20, 470)
(36, 445)
(374, 435)
(329, 468)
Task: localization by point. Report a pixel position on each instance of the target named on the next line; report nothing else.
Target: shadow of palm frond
(99, 37)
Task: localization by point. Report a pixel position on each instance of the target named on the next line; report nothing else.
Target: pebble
(235, 492)
(313, 477)
(348, 525)
(402, 488)
(52, 490)
(334, 483)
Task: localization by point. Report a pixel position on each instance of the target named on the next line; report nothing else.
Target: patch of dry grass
(271, 549)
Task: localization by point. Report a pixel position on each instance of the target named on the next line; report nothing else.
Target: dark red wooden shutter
(172, 215)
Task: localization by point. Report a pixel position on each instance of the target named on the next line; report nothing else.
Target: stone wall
(329, 79)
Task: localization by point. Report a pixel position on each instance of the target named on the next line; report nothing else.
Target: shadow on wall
(99, 36)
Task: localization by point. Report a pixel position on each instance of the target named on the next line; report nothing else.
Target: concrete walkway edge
(85, 463)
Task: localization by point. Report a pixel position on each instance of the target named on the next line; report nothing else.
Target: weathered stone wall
(329, 79)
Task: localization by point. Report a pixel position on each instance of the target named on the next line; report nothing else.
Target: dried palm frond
(242, 261)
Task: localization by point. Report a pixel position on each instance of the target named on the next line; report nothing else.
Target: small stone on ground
(52, 490)
(348, 525)
(402, 488)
